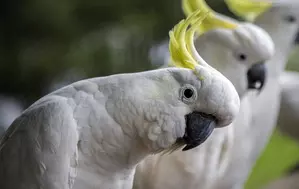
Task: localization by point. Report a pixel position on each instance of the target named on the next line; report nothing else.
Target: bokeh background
(46, 44)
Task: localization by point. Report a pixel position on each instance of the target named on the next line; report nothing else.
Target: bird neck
(106, 163)
(90, 180)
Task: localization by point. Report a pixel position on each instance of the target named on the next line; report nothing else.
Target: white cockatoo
(288, 119)
(91, 134)
(279, 19)
(237, 50)
(10, 108)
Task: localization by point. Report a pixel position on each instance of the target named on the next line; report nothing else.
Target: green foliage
(42, 39)
(279, 156)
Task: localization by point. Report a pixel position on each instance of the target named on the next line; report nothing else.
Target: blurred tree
(42, 39)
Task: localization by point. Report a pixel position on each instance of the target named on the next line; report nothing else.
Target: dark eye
(188, 93)
(242, 57)
(290, 18)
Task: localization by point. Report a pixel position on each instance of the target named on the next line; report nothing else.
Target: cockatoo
(288, 120)
(91, 134)
(279, 19)
(237, 50)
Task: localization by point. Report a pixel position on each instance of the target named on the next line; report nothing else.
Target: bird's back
(37, 150)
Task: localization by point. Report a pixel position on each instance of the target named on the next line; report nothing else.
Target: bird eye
(242, 57)
(188, 94)
(290, 18)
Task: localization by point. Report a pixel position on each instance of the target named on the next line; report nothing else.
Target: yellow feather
(211, 22)
(248, 9)
(181, 40)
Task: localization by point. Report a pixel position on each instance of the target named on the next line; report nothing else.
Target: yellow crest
(212, 21)
(181, 44)
(248, 9)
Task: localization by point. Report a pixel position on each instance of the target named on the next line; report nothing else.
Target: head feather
(212, 21)
(181, 45)
(248, 9)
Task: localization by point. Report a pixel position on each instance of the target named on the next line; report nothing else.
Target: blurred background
(46, 44)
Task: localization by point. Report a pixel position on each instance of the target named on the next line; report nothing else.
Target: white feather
(206, 165)
(265, 106)
(92, 134)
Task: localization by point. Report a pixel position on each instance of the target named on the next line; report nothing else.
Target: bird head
(209, 97)
(175, 106)
(279, 17)
(238, 50)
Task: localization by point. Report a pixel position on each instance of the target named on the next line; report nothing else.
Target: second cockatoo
(280, 19)
(238, 50)
(288, 119)
(91, 134)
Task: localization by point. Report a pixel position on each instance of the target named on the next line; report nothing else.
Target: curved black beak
(256, 76)
(199, 127)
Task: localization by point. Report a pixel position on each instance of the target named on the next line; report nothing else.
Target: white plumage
(205, 165)
(91, 134)
(281, 22)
